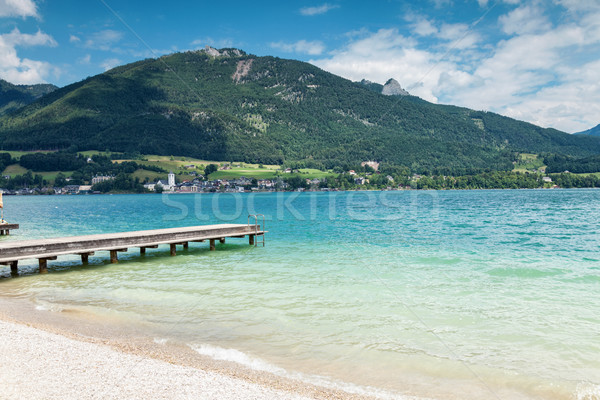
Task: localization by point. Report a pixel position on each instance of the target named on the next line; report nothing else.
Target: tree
(60, 180)
(210, 168)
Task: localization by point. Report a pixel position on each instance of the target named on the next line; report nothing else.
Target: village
(196, 185)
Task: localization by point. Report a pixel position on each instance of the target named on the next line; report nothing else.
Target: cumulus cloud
(74, 39)
(382, 55)
(460, 36)
(110, 63)
(536, 71)
(312, 48)
(322, 9)
(85, 60)
(526, 19)
(23, 70)
(104, 40)
(18, 8)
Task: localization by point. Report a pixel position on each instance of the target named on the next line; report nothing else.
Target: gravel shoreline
(67, 355)
(41, 365)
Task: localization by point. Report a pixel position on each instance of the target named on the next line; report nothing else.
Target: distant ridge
(228, 105)
(13, 97)
(595, 131)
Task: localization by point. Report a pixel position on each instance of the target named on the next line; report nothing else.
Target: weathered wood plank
(43, 248)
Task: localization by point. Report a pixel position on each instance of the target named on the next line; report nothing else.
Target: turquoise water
(452, 294)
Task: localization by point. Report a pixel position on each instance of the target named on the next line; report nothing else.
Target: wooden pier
(86, 246)
(6, 228)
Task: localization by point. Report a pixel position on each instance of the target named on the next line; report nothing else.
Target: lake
(439, 294)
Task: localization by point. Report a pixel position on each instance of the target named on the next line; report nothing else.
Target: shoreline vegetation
(93, 172)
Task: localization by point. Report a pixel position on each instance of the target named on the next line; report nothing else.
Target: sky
(534, 60)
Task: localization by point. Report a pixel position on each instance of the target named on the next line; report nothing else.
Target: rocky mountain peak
(393, 88)
(211, 51)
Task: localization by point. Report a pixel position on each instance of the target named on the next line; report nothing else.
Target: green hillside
(595, 131)
(239, 107)
(13, 97)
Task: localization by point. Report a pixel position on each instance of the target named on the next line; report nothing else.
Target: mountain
(373, 86)
(595, 131)
(229, 105)
(393, 88)
(13, 97)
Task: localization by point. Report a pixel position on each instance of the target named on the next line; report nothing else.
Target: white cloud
(460, 36)
(312, 48)
(16, 38)
(104, 40)
(110, 63)
(544, 74)
(23, 71)
(18, 8)
(525, 19)
(382, 55)
(442, 3)
(74, 39)
(424, 27)
(310, 11)
(85, 60)
(579, 5)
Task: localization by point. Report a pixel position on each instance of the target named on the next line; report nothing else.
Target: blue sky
(533, 60)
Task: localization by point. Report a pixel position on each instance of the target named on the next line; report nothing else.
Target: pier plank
(46, 249)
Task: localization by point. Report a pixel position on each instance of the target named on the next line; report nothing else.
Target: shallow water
(452, 294)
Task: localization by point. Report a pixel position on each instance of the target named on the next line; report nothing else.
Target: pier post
(114, 259)
(43, 265)
(222, 240)
(173, 249)
(85, 257)
(251, 240)
(186, 245)
(212, 244)
(143, 248)
(14, 268)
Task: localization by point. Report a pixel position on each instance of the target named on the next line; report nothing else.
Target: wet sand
(66, 355)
